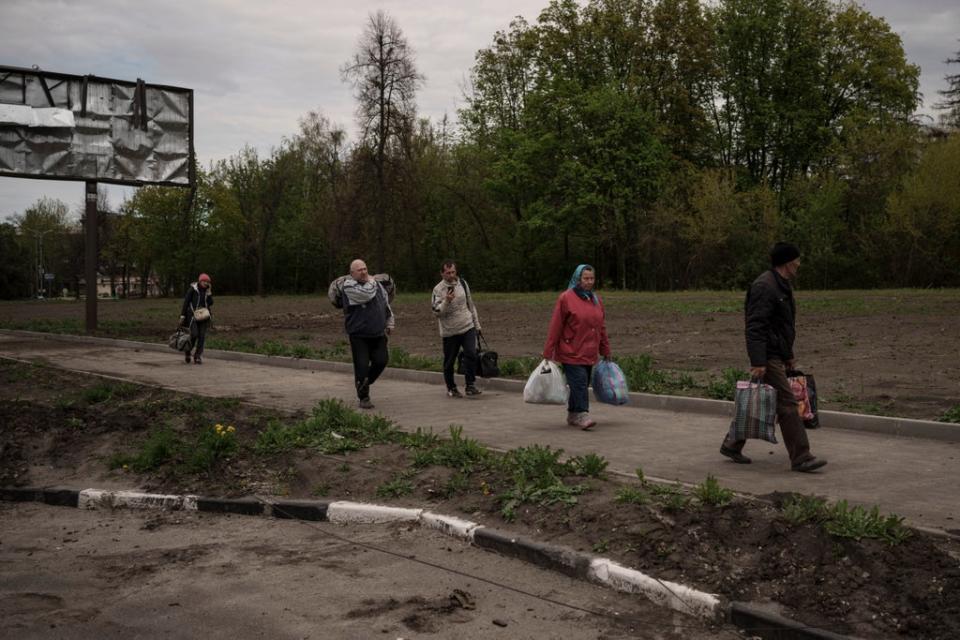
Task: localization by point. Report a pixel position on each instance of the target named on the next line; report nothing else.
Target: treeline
(668, 142)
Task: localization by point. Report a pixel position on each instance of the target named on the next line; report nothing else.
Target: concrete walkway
(913, 477)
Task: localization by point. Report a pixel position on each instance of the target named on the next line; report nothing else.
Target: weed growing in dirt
(537, 478)
(554, 493)
(642, 376)
(857, 523)
(799, 509)
(710, 492)
(158, 449)
(843, 521)
(669, 497)
(458, 452)
(213, 444)
(421, 439)
(951, 415)
(399, 486)
(590, 465)
(98, 393)
(321, 490)
(632, 495)
(331, 428)
(458, 483)
(601, 546)
(724, 387)
(404, 360)
(518, 367)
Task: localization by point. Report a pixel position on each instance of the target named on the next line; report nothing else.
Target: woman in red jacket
(576, 336)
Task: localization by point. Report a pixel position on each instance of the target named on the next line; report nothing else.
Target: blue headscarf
(575, 283)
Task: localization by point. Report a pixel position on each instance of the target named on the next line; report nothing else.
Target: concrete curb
(890, 426)
(575, 564)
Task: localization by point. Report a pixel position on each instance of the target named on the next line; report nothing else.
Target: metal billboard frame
(138, 119)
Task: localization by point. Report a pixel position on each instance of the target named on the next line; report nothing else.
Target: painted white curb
(100, 499)
(663, 592)
(449, 525)
(358, 512)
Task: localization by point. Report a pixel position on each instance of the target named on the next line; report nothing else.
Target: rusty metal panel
(96, 129)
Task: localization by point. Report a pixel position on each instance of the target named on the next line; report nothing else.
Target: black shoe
(363, 389)
(454, 393)
(186, 357)
(809, 465)
(736, 456)
(472, 390)
(364, 403)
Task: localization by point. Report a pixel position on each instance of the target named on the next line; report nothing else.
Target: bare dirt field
(77, 430)
(889, 352)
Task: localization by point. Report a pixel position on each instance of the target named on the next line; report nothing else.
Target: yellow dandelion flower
(231, 429)
(125, 467)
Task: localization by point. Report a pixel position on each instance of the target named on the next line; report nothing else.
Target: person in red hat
(195, 314)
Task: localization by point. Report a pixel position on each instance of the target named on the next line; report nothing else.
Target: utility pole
(91, 256)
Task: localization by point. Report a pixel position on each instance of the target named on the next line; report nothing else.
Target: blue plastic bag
(609, 383)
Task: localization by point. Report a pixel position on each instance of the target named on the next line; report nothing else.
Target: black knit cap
(782, 253)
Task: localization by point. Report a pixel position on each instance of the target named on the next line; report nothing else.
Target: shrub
(590, 465)
(710, 492)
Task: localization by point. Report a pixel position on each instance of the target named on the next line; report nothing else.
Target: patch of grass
(331, 428)
(404, 360)
(857, 522)
(397, 487)
(421, 439)
(518, 367)
(642, 376)
(799, 509)
(843, 521)
(320, 490)
(590, 465)
(456, 452)
(601, 546)
(951, 415)
(458, 483)
(158, 449)
(632, 495)
(710, 492)
(98, 393)
(554, 493)
(724, 387)
(213, 444)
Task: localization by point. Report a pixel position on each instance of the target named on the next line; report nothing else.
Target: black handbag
(487, 366)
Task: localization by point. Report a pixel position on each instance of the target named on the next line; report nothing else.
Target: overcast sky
(256, 67)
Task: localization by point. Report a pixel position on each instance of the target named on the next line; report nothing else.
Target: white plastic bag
(546, 385)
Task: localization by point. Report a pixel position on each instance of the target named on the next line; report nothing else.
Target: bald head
(358, 270)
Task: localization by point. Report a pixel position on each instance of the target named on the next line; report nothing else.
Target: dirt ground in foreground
(155, 574)
(62, 428)
(889, 352)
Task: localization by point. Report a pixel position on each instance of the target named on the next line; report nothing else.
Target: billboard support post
(90, 261)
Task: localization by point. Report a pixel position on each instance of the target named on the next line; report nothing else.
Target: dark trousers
(370, 357)
(578, 378)
(791, 425)
(451, 349)
(198, 336)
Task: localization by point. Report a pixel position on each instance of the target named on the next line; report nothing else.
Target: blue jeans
(578, 377)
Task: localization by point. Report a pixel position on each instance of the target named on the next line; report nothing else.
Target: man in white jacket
(459, 324)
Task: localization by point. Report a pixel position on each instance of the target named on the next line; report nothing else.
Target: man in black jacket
(368, 321)
(770, 314)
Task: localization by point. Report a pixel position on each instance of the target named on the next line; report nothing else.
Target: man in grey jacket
(368, 320)
(459, 324)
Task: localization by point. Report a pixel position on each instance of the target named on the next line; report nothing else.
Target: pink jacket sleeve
(555, 329)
